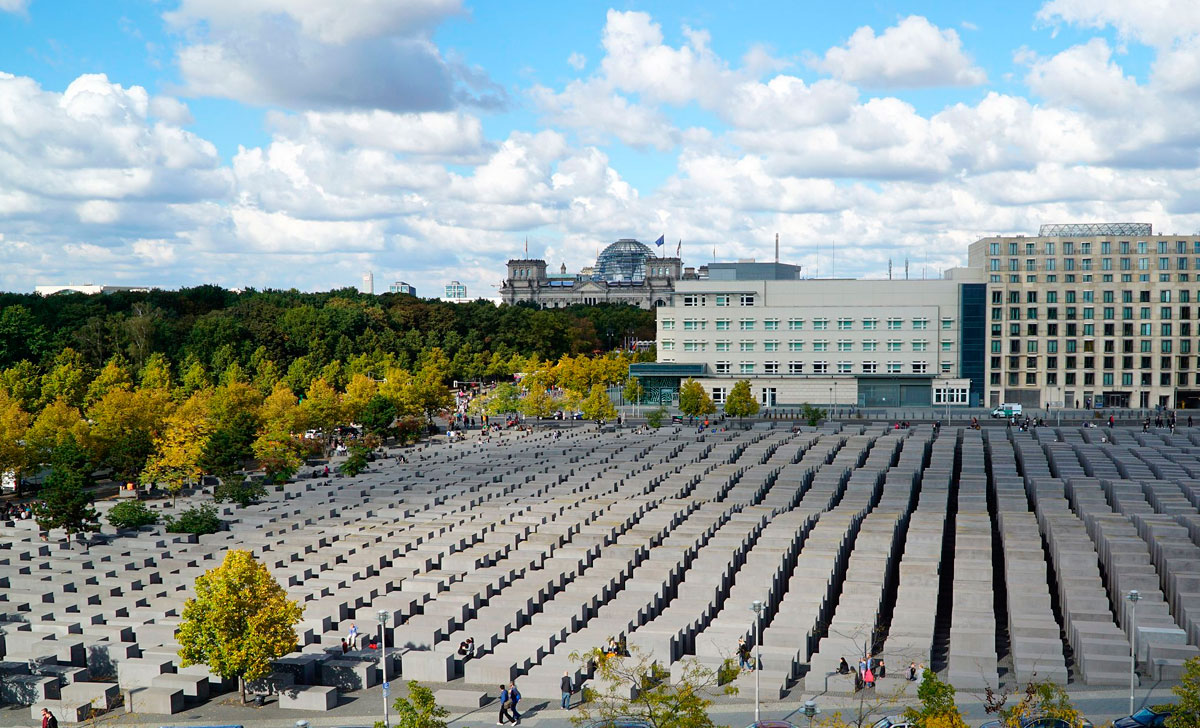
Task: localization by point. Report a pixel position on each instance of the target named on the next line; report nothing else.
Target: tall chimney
(776, 247)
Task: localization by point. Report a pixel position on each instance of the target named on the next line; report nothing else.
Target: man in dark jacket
(567, 689)
(504, 715)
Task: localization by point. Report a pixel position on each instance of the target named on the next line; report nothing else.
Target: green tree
(693, 400)
(239, 621)
(1186, 713)
(938, 709)
(322, 407)
(230, 445)
(537, 402)
(65, 502)
(199, 520)
(812, 415)
(114, 375)
(1040, 700)
(598, 406)
(278, 454)
(654, 418)
(156, 373)
(131, 514)
(740, 402)
(355, 462)
(657, 699)
(428, 392)
(238, 489)
(14, 424)
(179, 449)
(66, 380)
(378, 415)
(504, 399)
(418, 710)
(633, 391)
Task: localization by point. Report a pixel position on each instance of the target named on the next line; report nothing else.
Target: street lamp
(1134, 597)
(383, 620)
(811, 710)
(757, 607)
(831, 403)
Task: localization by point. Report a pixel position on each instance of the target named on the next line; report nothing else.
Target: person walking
(514, 697)
(504, 714)
(567, 689)
(48, 719)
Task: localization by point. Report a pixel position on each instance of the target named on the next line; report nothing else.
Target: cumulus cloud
(363, 54)
(913, 53)
(1153, 22)
(13, 6)
(577, 61)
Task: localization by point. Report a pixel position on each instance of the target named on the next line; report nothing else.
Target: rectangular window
(820, 324)
(723, 367)
(723, 324)
(845, 345)
(746, 325)
(894, 345)
(845, 324)
(693, 346)
(870, 345)
(844, 367)
(820, 367)
(746, 367)
(718, 394)
(893, 367)
(693, 325)
(870, 367)
(821, 345)
(723, 345)
(945, 367)
(771, 367)
(746, 346)
(895, 323)
(920, 323)
(747, 299)
(722, 300)
(668, 324)
(796, 324)
(870, 324)
(946, 344)
(771, 345)
(668, 345)
(771, 324)
(794, 345)
(920, 367)
(947, 323)
(920, 345)
(693, 301)
(795, 367)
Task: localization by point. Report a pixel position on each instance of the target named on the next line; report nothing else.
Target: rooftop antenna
(889, 269)
(906, 269)
(776, 248)
(526, 246)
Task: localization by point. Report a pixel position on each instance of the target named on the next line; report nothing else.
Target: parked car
(1145, 718)
(772, 724)
(620, 723)
(1008, 409)
(1042, 722)
(893, 721)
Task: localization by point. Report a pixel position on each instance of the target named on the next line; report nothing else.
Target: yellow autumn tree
(180, 446)
(14, 424)
(239, 621)
(54, 425)
(359, 391)
(280, 410)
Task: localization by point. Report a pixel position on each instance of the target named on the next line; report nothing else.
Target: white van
(1007, 409)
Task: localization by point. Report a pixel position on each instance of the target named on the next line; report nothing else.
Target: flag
(679, 248)
(659, 242)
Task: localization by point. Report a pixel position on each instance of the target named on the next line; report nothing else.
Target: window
(920, 345)
(794, 345)
(718, 394)
(771, 367)
(771, 324)
(795, 367)
(845, 324)
(722, 367)
(893, 367)
(870, 345)
(746, 367)
(870, 367)
(920, 323)
(723, 345)
(920, 367)
(894, 323)
(821, 345)
(693, 325)
(693, 346)
(723, 324)
(772, 345)
(945, 367)
(894, 345)
(746, 346)
(870, 324)
(820, 367)
(746, 325)
(820, 324)
(947, 323)
(693, 300)
(845, 345)
(668, 345)
(796, 324)
(722, 300)
(844, 367)
(946, 344)
(747, 299)
(668, 324)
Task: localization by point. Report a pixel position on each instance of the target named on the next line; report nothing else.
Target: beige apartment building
(871, 343)
(1097, 315)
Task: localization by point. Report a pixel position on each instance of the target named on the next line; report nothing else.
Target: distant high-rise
(402, 287)
(368, 284)
(455, 292)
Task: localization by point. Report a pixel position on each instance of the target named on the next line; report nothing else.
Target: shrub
(356, 462)
(236, 489)
(131, 514)
(199, 520)
(654, 418)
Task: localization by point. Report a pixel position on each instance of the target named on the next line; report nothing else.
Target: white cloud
(1154, 22)
(1086, 76)
(914, 53)
(577, 60)
(599, 113)
(13, 6)
(362, 54)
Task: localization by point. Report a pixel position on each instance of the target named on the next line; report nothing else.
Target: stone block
(156, 701)
(309, 697)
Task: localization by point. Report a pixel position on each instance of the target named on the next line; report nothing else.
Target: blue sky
(301, 142)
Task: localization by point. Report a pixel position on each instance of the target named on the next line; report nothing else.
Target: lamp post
(831, 403)
(757, 607)
(383, 620)
(811, 710)
(1134, 597)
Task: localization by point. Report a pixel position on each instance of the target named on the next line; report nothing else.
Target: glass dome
(624, 260)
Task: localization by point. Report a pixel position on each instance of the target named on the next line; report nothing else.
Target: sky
(301, 143)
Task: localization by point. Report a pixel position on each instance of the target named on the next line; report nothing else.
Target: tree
(812, 415)
(178, 450)
(114, 375)
(740, 402)
(359, 393)
(239, 621)
(280, 411)
(156, 373)
(230, 445)
(322, 407)
(378, 415)
(131, 514)
(356, 462)
(418, 710)
(54, 425)
(938, 709)
(598, 406)
(14, 424)
(65, 502)
(66, 380)
(278, 454)
(428, 392)
(633, 391)
(654, 418)
(537, 402)
(1186, 713)
(1040, 700)
(657, 699)
(504, 399)
(199, 520)
(693, 400)
(237, 489)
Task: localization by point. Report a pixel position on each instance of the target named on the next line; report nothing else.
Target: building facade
(871, 343)
(626, 271)
(1097, 315)
(87, 289)
(455, 290)
(368, 284)
(402, 287)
